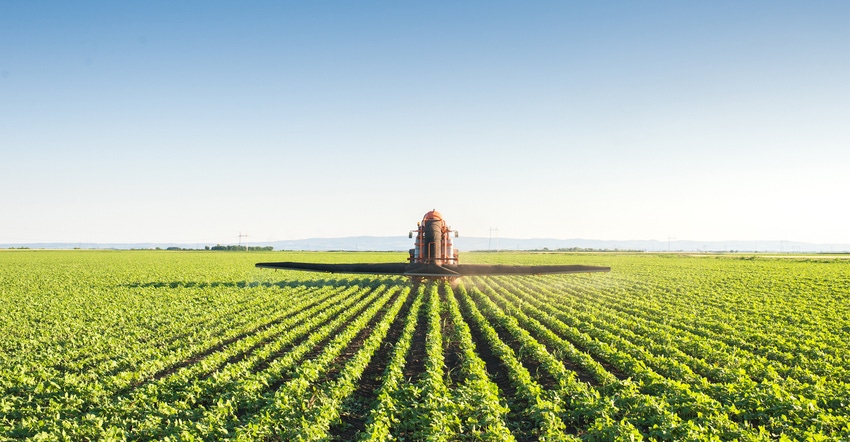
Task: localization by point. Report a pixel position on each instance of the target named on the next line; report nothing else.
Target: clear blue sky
(194, 121)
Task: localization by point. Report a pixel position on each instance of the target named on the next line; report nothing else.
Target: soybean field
(180, 345)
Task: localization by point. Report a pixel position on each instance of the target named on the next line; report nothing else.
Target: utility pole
(490, 242)
(670, 238)
(241, 235)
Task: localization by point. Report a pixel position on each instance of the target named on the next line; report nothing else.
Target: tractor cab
(433, 243)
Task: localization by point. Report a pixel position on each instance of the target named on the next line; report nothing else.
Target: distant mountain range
(402, 243)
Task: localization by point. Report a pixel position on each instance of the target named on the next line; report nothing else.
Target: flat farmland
(141, 345)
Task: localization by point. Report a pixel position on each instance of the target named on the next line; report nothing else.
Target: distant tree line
(241, 248)
(219, 247)
(562, 249)
(585, 249)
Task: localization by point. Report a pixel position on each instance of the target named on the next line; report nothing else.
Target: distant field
(201, 345)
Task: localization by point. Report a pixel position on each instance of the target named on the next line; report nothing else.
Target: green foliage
(147, 345)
